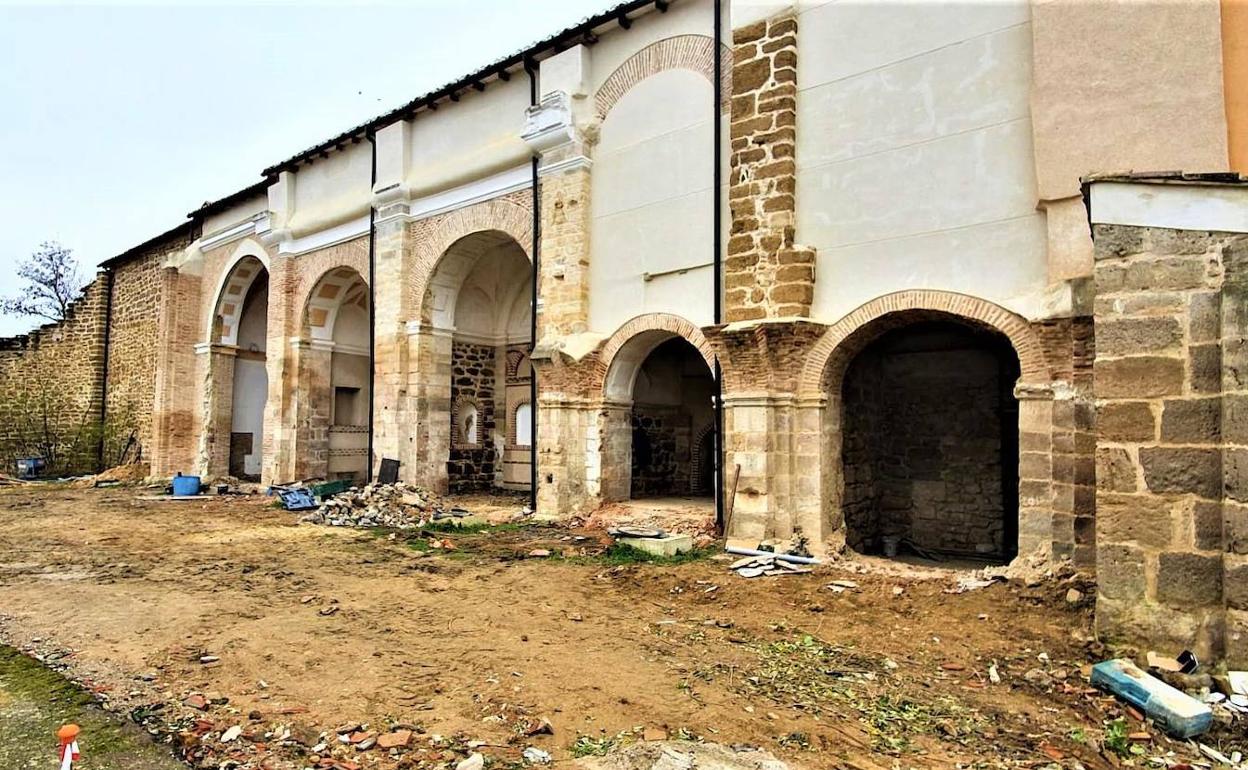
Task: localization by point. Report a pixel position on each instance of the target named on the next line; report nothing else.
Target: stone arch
(513, 421)
(690, 52)
(458, 408)
(245, 265)
(334, 288)
(622, 355)
(434, 236)
(831, 353)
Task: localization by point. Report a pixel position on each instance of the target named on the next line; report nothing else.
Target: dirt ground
(309, 629)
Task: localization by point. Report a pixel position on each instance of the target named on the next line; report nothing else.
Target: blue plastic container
(185, 486)
(1174, 711)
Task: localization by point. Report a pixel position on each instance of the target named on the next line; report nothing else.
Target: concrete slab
(669, 545)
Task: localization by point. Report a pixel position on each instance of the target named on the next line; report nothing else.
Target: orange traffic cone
(68, 735)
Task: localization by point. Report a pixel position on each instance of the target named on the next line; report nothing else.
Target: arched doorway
(929, 438)
(658, 412)
(477, 310)
(240, 341)
(335, 378)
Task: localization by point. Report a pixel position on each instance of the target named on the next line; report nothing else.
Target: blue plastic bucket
(185, 486)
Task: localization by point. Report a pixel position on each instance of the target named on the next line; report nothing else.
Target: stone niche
(1171, 386)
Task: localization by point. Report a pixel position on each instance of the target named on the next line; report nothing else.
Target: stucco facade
(895, 182)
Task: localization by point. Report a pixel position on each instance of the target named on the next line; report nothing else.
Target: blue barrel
(185, 486)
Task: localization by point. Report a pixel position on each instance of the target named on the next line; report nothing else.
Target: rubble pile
(399, 505)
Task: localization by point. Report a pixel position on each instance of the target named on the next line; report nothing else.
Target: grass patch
(598, 746)
(619, 553)
(812, 676)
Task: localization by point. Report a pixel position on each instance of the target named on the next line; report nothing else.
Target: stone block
(1115, 470)
(1235, 470)
(1235, 419)
(1139, 377)
(1142, 519)
(1134, 336)
(1126, 421)
(1235, 587)
(1205, 367)
(1204, 317)
(1207, 526)
(1182, 470)
(1188, 580)
(1120, 571)
(669, 545)
(1192, 421)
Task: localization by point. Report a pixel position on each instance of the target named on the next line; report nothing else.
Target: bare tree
(52, 284)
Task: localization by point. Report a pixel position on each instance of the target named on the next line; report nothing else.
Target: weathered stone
(1126, 421)
(1235, 587)
(1235, 479)
(1115, 470)
(1139, 377)
(1205, 365)
(1137, 335)
(1189, 579)
(1192, 421)
(1143, 519)
(1182, 470)
(1207, 526)
(1120, 571)
(1204, 322)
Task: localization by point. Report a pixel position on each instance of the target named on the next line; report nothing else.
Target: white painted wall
(915, 163)
(651, 186)
(333, 190)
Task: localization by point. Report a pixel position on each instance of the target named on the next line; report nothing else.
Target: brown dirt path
(481, 643)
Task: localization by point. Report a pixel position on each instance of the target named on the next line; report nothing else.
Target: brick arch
(689, 52)
(829, 351)
(458, 440)
(432, 238)
(647, 330)
(334, 288)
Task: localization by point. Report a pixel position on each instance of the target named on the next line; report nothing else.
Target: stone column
(393, 423)
(175, 419)
(216, 363)
(310, 406)
(613, 458)
(428, 406)
(1162, 459)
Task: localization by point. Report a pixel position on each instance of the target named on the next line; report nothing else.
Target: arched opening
(477, 306)
(334, 375)
(658, 410)
(240, 325)
(929, 438)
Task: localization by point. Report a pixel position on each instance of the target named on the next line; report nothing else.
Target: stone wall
(924, 426)
(51, 385)
(472, 465)
(766, 275)
(1171, 314)
(133, 351)
(661, 451)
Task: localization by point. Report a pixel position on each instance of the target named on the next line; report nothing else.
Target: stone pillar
(428, 406)
(216, 364)
(614, 454)
(1166, 323)
(310, 406)
(175, 420)
(766, 274)
(1231, 356)
(393, 423)
(1037, 529)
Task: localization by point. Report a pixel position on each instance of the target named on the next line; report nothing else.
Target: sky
(117, 121)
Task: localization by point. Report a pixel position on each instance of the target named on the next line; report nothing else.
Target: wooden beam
(477, 84)
(504, 75)
(624, 21)
(661, 5)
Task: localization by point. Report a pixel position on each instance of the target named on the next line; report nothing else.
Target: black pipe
(372, 306)
(108, 329)
(716, 235)
(537, 228)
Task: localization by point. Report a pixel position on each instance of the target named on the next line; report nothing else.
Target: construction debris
(400, 506)
(1178, 713)
(769, 565)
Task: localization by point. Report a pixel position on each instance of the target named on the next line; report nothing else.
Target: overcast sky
(117, 121)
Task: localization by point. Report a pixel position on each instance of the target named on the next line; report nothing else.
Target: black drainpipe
(108, 328)
(716, 236)
(537, 228)
(372, 305)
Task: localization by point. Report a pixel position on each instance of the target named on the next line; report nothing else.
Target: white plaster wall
(332, 190)
(687, 17)
(915, 162)
(236, 214)
(469, 139)
(253, 324)
(651, 187)
(251, 387)
(351, 327)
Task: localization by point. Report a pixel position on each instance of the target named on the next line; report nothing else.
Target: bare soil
(317, 627)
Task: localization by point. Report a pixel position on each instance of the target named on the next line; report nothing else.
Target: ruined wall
(661, 451)
(1171, 316)
(51, 384)
(471, 465)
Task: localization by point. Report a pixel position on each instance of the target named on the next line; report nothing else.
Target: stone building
(841, 247)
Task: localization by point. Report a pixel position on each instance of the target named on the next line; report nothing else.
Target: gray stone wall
(1171, 381)
(472, 379)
